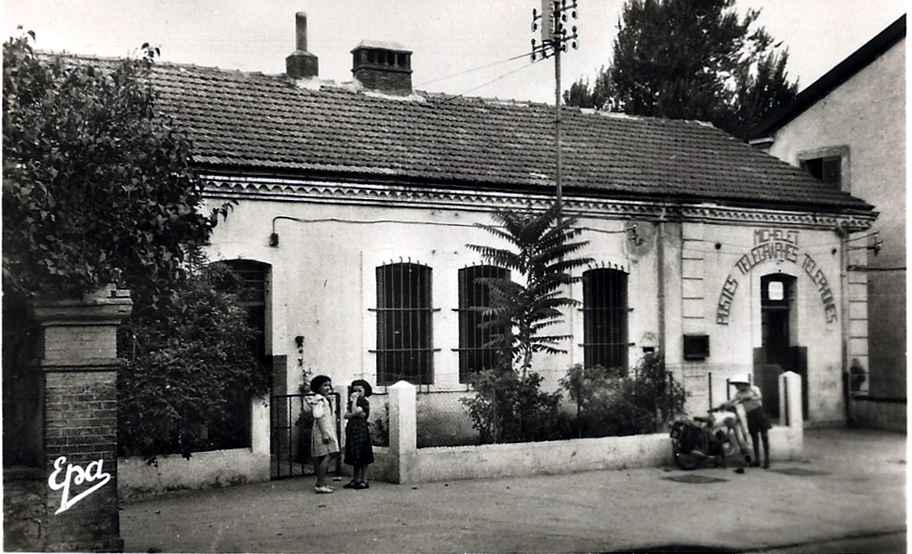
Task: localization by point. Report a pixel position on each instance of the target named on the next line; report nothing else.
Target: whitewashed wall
(323, 285)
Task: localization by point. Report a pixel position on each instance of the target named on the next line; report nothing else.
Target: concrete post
(403, 431)
(790, 399)
(79, 369)
(790, 412)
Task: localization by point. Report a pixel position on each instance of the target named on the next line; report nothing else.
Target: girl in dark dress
(358, 450)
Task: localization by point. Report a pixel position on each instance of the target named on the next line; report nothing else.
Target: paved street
(848, 491)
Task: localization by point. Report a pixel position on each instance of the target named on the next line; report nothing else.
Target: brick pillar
(79, 367)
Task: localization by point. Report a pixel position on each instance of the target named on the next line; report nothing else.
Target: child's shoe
(361, 485)
(323, 489)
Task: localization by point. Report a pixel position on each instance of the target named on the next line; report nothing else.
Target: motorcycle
(713, 439)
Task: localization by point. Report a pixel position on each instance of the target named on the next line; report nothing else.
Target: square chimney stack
(383, 66)
(301, 64)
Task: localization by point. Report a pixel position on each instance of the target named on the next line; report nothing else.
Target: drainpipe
(844, 323)
(660, 275)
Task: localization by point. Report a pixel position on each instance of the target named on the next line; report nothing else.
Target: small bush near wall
(509, 407)
(506, 408)
(611, 404)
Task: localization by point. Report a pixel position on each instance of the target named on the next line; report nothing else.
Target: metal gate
(290, 436)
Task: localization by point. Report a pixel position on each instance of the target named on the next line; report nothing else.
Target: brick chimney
(301, 64)
(383, 66)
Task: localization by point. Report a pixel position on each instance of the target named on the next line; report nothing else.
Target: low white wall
(570, 456)
(531, 458)
(219, 468)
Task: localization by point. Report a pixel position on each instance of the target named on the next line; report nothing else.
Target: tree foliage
(508, 405)
(97, 186)
(186, 369)
(540, 252)
(691, 59)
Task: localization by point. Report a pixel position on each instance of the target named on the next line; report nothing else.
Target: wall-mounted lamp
(274, 237)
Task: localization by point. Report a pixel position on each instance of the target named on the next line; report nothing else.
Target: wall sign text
(780, 245)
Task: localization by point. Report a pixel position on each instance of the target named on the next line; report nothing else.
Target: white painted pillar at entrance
(403, 431)
(790, 413)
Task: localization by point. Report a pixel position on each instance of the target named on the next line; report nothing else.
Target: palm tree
(541, 245)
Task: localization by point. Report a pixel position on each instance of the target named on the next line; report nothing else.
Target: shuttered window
(404, 324)
(474, 293)
(605, 318)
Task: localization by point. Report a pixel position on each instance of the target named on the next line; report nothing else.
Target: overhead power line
(473, 69)
(486, 83)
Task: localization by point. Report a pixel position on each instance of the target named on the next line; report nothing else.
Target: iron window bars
(404, 324)
(474, 355)
(605, 318)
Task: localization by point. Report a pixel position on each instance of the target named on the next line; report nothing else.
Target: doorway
(778, 325)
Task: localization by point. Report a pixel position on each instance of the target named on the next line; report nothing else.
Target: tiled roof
(253, 122)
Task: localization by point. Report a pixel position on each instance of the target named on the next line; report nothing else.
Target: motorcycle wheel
(687, 462)
(684, 457)
(730, 447)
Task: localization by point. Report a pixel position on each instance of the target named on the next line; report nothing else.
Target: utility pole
(554, 39)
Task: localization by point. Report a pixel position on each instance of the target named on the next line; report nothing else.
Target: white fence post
(403, 431)
(790, 399)
(790, 411)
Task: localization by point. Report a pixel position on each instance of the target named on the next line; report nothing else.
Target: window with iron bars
(404, 324)
(473, 336)
(605, 318)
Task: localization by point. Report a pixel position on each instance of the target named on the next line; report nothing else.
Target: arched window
(605, 318)
(404, 324)
(474, 352)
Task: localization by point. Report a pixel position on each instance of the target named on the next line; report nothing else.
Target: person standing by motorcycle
(758, 424)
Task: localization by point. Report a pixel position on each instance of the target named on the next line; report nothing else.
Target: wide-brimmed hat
(739, 381)
(317, 382)
(367, 388)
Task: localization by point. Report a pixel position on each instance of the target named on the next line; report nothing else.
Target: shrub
(187, 367)
(611, 404)
(508, 407)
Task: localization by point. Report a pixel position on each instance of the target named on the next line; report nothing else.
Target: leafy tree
(186, 369)
(508, 405)
(541, 250)
(691, 59)
(596, 95)
(97, 186)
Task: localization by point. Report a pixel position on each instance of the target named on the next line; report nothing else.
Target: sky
(459, 46)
